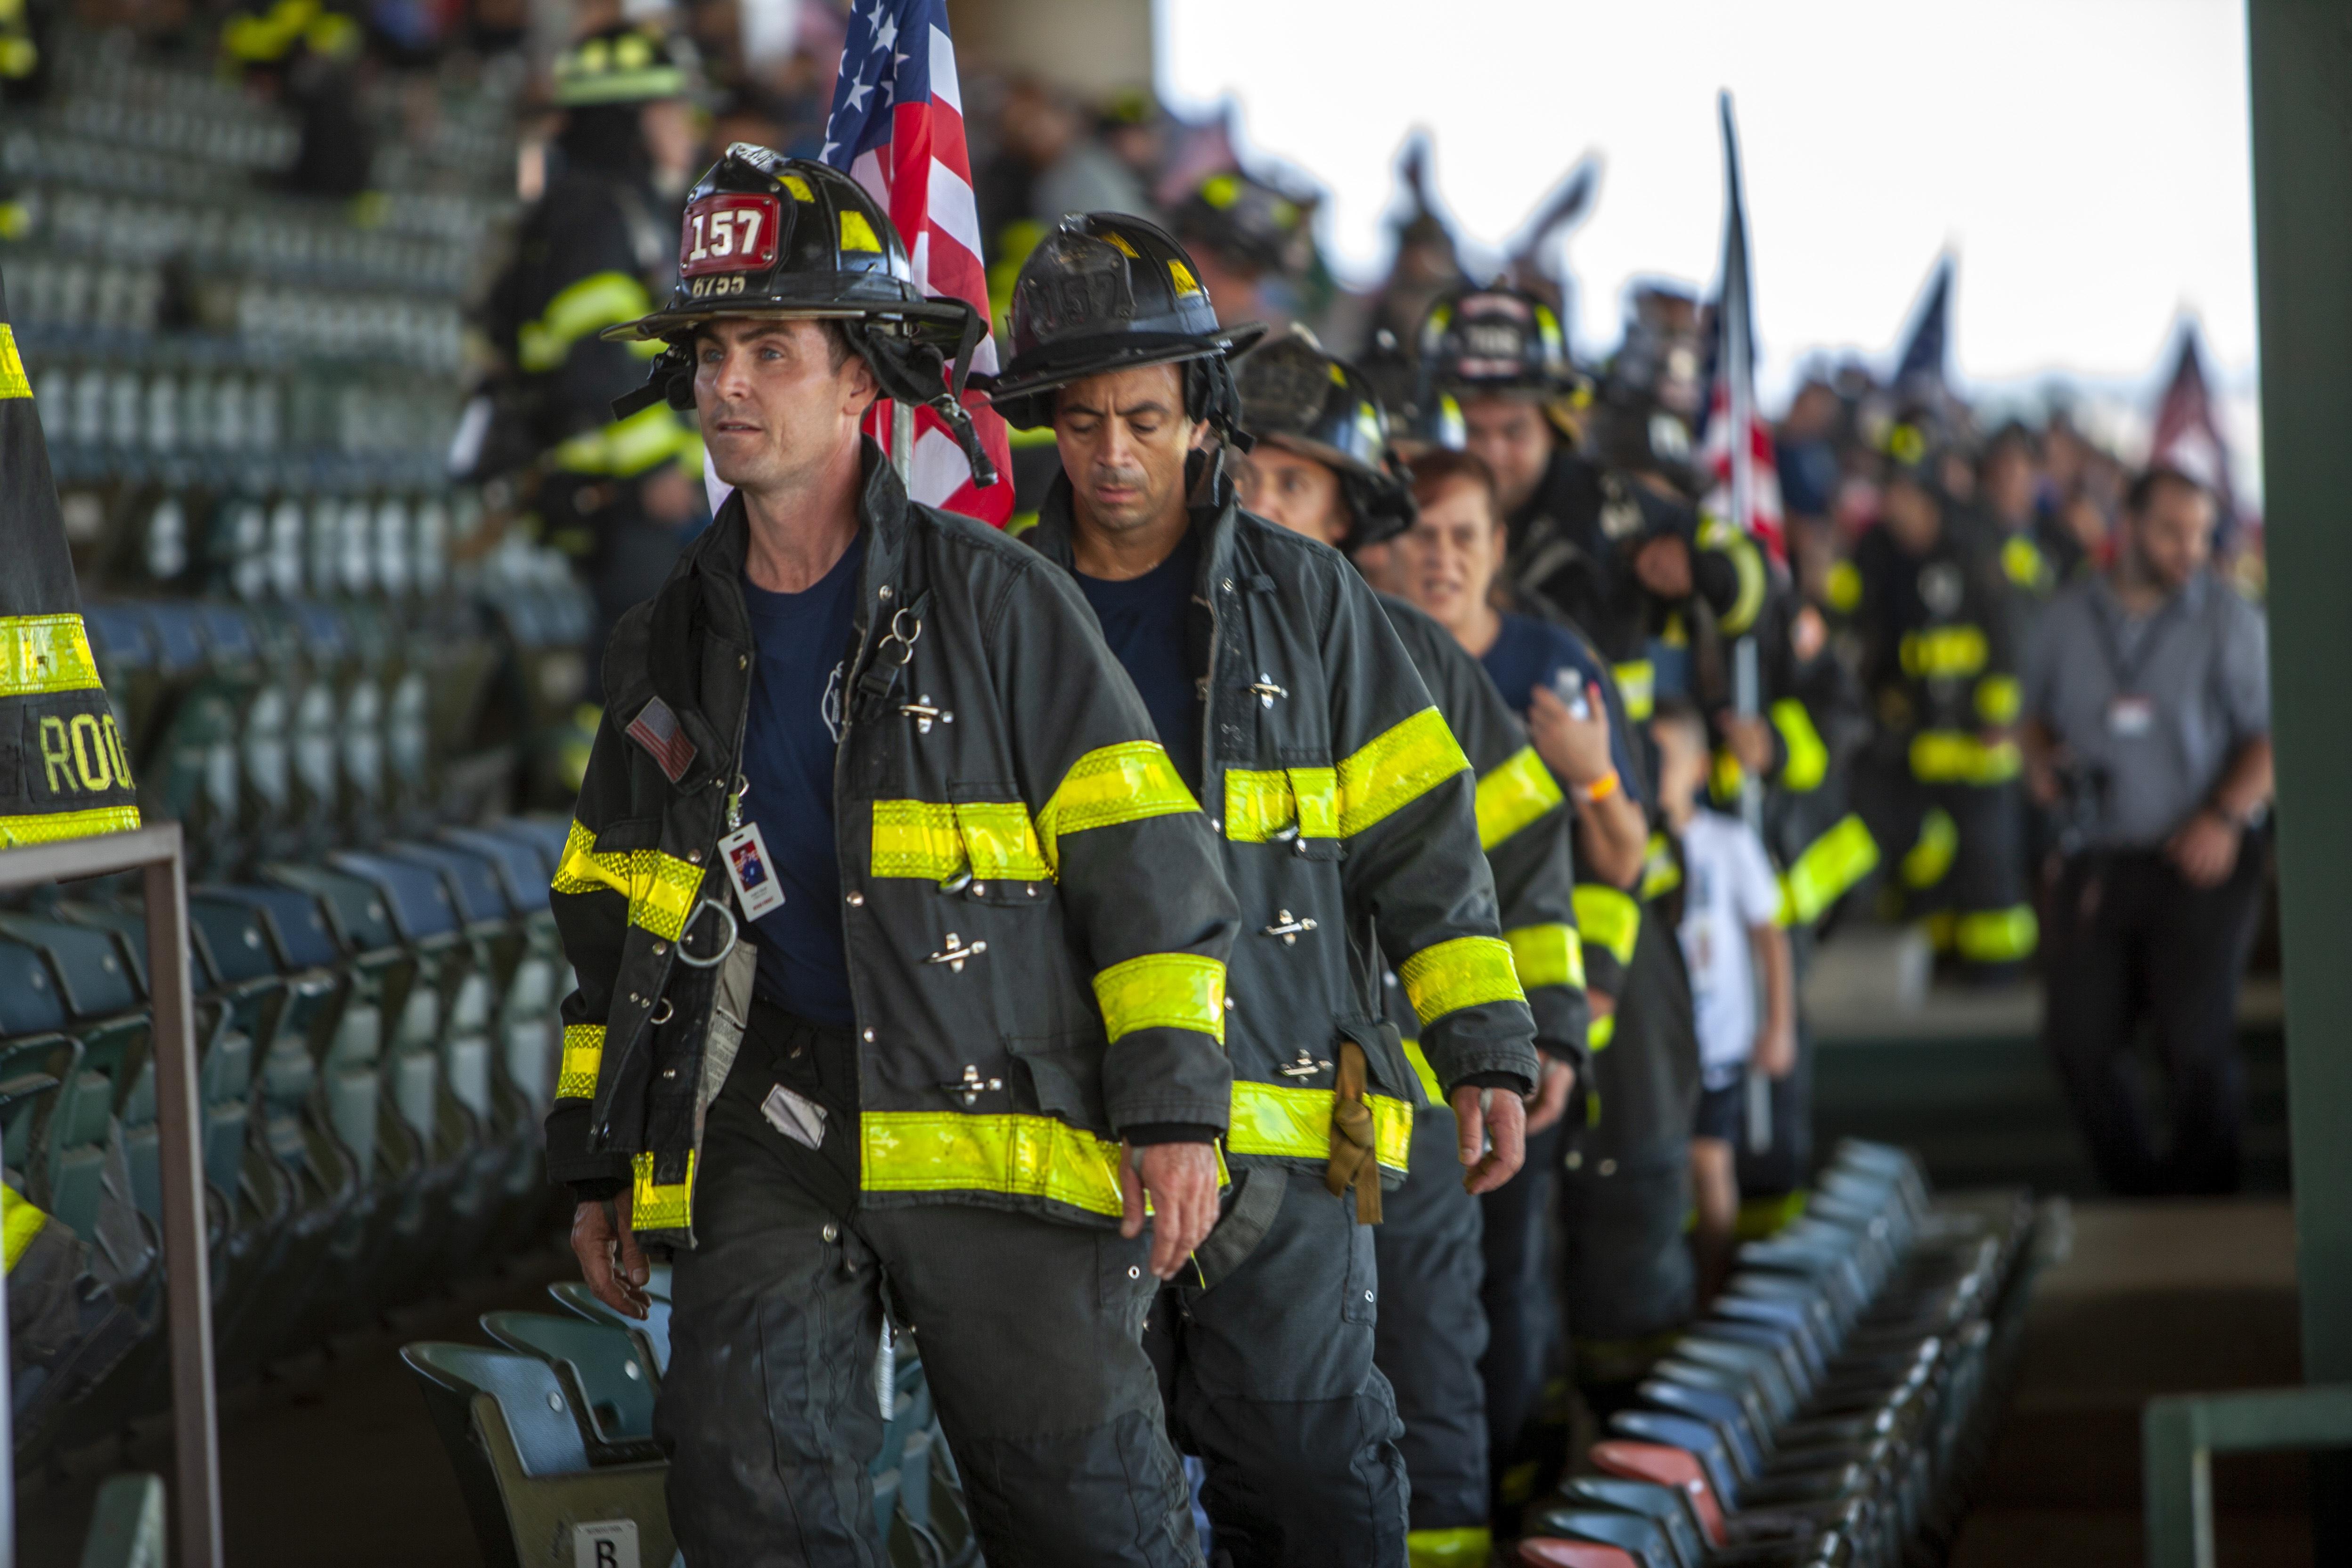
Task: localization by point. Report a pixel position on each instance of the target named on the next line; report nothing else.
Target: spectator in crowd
(2149, 718)
(1109, 171)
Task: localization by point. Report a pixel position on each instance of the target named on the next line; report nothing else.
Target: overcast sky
(2087, 160)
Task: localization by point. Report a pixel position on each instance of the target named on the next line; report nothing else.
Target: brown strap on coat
(1354, 1162)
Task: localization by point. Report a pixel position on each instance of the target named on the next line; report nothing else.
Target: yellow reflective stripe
(1944, 652)
(655, 1207)
(1163, 991)
(1262, 804)
(1111, 785)
(1547, 955)
(48, 827)
(2021, 561)
(1808, 760)
(1747, 562)
(19, 1222)
(660, 887)
(583, 1058)
(1423, 1071)
(44, 653)
(1725, 776)
(1515, 793)
(1660, 872)
(1998, 699)
(1924, 863)
(1955, 756)
(627, 447)
(1462, 972)
(1608, 916)
(1020, 1156)
(1844, 587)
(13, 380)
(1599, 1032)
(1637, 688)
(928, 839)
(1998, 936)
(1469, 1546)
(1396, 768)
(1274, 1119)
(1830, 864)
(596, 302)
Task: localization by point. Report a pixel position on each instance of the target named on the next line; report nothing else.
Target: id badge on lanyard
(749, 869)
(2130, 717)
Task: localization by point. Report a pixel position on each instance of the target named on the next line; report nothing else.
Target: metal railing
(2179, 1435)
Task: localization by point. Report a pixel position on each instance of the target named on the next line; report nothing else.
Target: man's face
(2009, 482)
(1446, 561)
(775, 408)
(1912, 515)
(1123, 439)
(1298, 493)
(667, 125)
(2175, 534)
(1513, 438)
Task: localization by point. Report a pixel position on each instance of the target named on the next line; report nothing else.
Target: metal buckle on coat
(685, 956)
(1266, 689)
(954, 951)
(971, 1086)
(1305, 1066)
(1289, 927)
(921, 710)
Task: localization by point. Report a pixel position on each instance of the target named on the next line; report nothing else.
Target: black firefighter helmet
(1296, 396)
(1491, 340)
(1106, 292)
(791, 239)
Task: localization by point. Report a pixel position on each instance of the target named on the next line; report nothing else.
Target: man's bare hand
(2206, 849)
(1181, 1179)
(1479, 1114)
(610, 1258)
(1576, 749)
(1664, 567)
(1553, 1090)
(1776, 1051)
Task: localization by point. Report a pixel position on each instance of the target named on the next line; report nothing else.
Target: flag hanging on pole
(2187, 434)
(1920, 374)
(1738, 450)
(897, 126)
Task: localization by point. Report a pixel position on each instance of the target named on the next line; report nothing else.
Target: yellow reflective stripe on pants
(1955, 756)
(992, 839)
(583, 1058)
(1163, 991)
(1997, 936)
(1998, 698)
(1273, 1119)
(1469, 1546)
(1396, 768)
(1018, 1156)
(1462, 972)
(19, 1222)
(596, 302)
(1924, 863)
(1264, 804)
(1809, 759)
(664, 1208)
(1423, 1071)
(1608, 916)
(1829, 865)
(627, 447)
(1515, 793)
(41, 654)
(1637, 688)
(1108, 786)
(1944, 652)
(49, 827)
(660, 887)
(1550, 954)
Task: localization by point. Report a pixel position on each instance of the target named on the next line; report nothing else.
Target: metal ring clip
(663, 1012)
(683, 932)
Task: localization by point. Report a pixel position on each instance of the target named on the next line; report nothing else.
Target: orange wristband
(1599, 789)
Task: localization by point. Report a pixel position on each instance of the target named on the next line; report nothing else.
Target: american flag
(896, 127)
(1738, 448)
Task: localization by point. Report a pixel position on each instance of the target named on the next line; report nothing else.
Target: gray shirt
(2153, 707)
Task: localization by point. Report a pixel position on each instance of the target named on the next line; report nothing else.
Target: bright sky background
(2087, 160)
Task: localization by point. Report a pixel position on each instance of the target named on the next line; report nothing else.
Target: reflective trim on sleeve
(1274, 1119)
(1163, 991)
(1464, 1546)
(2021, 563)
(1547, 955)
(1515, 793)
(1998, 699)
(41, 654)
(1599, 1032)
(627, 447)
(1944, 652)
(1808, 760)
(1830, 865)
(660, 887)
(1955, 756)
(583, 1058)
(1747, 562)
(1637, 688)
(1842, 587)
(1930, 855)
(1266, 805)
(1111, 785)
(1423, 1071)
(1998, 936)
(1660, 872)
(20, 1221)
(1396, 768)
(928, 839)
(1462, 972)
(1019, 1156)
(599, 300)
(1609, 917)
(655, 1207)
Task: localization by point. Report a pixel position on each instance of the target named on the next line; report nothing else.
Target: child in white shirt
(1730, 934)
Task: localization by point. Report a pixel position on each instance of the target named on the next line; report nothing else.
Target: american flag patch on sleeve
(655, 728)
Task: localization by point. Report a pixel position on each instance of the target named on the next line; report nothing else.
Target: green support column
(2300, 62)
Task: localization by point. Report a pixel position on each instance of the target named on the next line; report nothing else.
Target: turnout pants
(1956, 852)
(1028, 1330)
(2131, 938)
(1429, 1341)
(1266, 1359)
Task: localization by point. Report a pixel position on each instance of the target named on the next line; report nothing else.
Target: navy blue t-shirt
(789, 739)
(1143, 620)
(1528, 653)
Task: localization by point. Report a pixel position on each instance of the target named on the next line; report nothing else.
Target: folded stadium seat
(1642, 1540)
(1548, 1553)
(651, 1332)
(604, 1372)
(190, 768)
(1766, 1542)
(124, 652)
(520, 1450)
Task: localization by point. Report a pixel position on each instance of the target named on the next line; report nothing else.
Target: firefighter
(596, 249)
(1466, 1302)
(901, 944)
(1250, 243)
(1291, 709)
(1929, 609)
